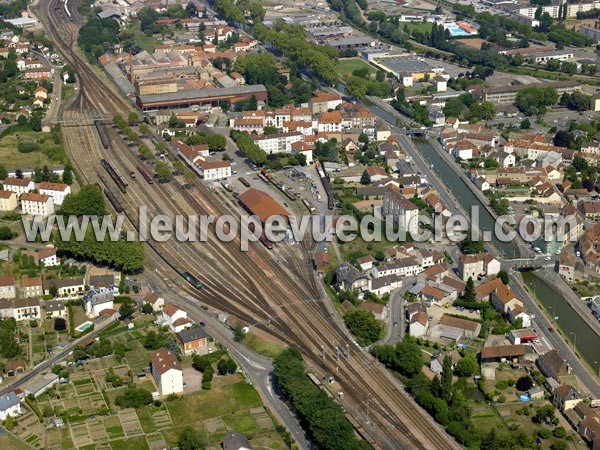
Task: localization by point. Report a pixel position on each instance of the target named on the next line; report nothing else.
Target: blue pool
(84, 326)
(455, 30)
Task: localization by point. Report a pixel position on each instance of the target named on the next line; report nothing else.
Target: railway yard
(275, 291)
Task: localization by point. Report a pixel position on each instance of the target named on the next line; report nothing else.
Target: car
(547, 258)
(577, 254)
(471, 311)
(233, 163)
(395, 324)
(234, 172)
(430, 318)
(203, 324)
(537, 341)
(558, 252)
(551, 329)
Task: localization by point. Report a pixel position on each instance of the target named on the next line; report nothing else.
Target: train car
(262, 238)
(113, 200)
(116, 176)
(141, 169)
(244, 182)
(102, 134)
(328, 191)
(192, 280)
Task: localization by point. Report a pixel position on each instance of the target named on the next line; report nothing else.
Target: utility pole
(337, 353)
(368, 400)
(347, 351)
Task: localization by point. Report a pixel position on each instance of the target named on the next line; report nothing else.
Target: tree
(162, 171)
(559, 445)
(446, 381)
(365, 178)
(504, 276)
(132, 117)
(88, 201)
(147, 309)
(133, 398)
(179, 166)
(67, 176)
(145, 152)
(126, 310)
(238, 333)
(470, 295)
(5, 233)
(60, 324)
(525, 124)
(270, 130)
(189, 439)
(189, 176)
(363, 325)
(3, 173)
(226, 366)
(53, 290)
(524, 383)
(466, 366)
(564, 139)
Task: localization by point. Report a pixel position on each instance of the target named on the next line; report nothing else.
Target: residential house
(174, 317)
(404, 267)
(418, 324)
(565, 397)
(570, 267)
(348, 278)
(97, 300)
(167, 372)
(46, 256)
(18, 185)
(8, 200)
(379, 310)
(155, 301)
(437, 363)
(414, 308)
(193, 340)
(589, 430)
(365, 263)
(277, 143)
(590, 210)
(434, 295)
(26, 309)
(14, 368)
(500, 353)
(31, 287)
(481, 264)
(7, 287)
(323, 102)
(330, 122)
(55, 308)
(213, 169)
(235, 441)
(37, 204)
(551, 364)
(10, 405)
(66, 287)
(58, 191)
(507, 302)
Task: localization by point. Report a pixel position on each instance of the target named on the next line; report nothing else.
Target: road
(395, 333)
(99, 325)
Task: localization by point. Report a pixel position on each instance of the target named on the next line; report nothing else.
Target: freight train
(115, 175)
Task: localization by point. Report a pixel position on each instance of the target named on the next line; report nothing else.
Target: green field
(419, 26)
(346, 66)
(11, 442)
(49, 153)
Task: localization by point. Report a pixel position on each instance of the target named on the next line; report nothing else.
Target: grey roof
(350, 40)
(235, 441)
(348, 274)
(99, 297)
(194, 94)
(65, 282)
(8, 401)
(192, 334)
(57, 305)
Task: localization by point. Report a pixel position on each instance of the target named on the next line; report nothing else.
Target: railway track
(253, 286)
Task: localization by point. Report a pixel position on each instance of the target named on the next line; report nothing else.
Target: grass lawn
(11, 442)
(145, 419)
(146, 42)
(346, 66)
(221, 400)
(262, 347)
(133, 443)
(49, 153)
(419, 26)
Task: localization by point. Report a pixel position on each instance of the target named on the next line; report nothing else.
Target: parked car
(551, 329)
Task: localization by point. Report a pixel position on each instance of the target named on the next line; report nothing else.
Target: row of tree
(247, 146)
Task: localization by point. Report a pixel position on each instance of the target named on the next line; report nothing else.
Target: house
(7, 287)
(55, 308)
(18, 185)
(455, 326)
(565, 397)
(322, 261)
(37, 204)
(507, 302)
(379, 311)
(193, 340)
(365, 263)
(58, 191)
(589, 430)
(10, 405)
(26, 309)
(433, 294)
(213, 170)
(551, 364)
(570, 267)
(155, 301)
(324, 102)
(437, 363)
(349, 278)
(418, 324)
(502, 353)
(8, 200)
(167, 372)
(97, 300)
(174, 317)
(235, 441)
(481, 264)
(45, 256)
(414, 308)
(14, 368)
(31, 287)
(66, 287)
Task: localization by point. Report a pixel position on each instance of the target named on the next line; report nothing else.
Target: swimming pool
(84, 326)
(455, 30)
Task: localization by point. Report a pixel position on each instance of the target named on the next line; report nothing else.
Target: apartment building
(58, 191)
(401, 211)
(18, 185)
(8, 200)
(213, 170)
(481, 264)
(277, 143)
(7, 287)
(31, 287)
(37, 204)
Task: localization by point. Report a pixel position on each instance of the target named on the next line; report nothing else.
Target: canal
(588, 342)
(569, 321)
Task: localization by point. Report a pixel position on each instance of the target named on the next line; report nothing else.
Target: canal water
(588, 342)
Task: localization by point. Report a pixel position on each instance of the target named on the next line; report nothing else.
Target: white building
(481, 264)
(10, 405)
(31, 287)
(419, 323)
(97, 300)
(176, 318)
(401, 211)
(7, 287)
(26, 309)
(58, 191)
(157, 302)
(18, 185)
(37, 204)
(213, 170)
(277, 143)
(167, 372)
(8, 201)
(66, 287)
